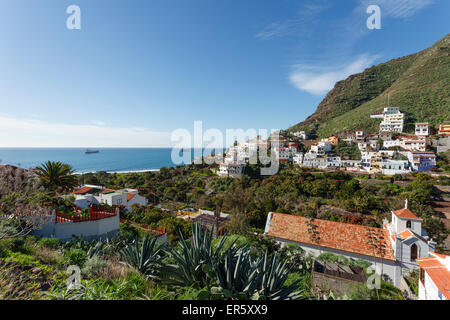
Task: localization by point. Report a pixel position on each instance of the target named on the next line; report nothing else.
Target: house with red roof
(392, 250)
(434, 277)
(95, 195)
(317, 236)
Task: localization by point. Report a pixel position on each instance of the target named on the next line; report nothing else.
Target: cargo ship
(89, 151)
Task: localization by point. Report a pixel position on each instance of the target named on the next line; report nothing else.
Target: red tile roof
(406, 213)
(336, 235)
(130, 196)
(405, 234)
(83, 190)
(107, 191)
(437, 271)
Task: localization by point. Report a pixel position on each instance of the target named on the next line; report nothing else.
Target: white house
(112, 198)
(234, 170)
(391, 143)
(322, 147)
(300, 134)
(413, 143)
(283, 154)
(314, 160)
(391, 167)
(298, 158)
(359, 135)
(95, 195)
(334, 161)
(422, 129)
(434, 277)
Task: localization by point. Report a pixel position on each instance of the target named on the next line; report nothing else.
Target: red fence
(95, 213)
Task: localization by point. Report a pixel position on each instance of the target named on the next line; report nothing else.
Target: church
(409, 241)
(392, 250)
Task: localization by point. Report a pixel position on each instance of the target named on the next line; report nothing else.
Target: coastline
(125, 171)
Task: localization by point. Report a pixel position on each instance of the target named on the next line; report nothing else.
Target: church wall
(404, 256)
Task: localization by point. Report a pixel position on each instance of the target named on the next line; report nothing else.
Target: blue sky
(137, 70)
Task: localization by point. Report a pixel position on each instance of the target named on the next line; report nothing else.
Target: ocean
(108, 159)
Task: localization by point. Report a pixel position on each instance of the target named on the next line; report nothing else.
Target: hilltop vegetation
(419, 84)
(292, 191)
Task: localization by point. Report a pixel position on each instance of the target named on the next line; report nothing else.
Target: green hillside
(419, 84)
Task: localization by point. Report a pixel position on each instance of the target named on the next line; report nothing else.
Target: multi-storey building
(421, 160)
(393, 119)
(422, 129)
(444, 129)
(413, 143)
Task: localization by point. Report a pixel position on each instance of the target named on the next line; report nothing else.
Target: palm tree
(57, 175)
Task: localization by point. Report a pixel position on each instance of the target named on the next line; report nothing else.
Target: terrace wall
(89, 230)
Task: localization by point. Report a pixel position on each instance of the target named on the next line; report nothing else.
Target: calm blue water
(108, 159)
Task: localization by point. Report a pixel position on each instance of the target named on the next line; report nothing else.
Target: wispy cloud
(318, 81)
(328, 55)
(37, 133)
(398, 8)
(305, 15)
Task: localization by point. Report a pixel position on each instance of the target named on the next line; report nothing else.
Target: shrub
(14, 245)
(76, 257)
(51, 243)
(93, 266)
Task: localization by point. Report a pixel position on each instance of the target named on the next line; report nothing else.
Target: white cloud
(305, 16)
(399, 8)
(36, 133)
(319, 81)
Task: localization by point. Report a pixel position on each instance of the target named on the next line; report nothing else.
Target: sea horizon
(108, 159)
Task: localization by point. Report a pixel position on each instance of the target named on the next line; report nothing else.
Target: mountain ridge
(418, 83)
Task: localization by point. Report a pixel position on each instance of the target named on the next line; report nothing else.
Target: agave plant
(143, 255)
(240, 277)
(195, 260)
(270, 278)
(95, 250)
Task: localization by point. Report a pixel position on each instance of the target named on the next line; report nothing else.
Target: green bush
(75, 257)
(51, 243)
(14, 245)
(93, 266)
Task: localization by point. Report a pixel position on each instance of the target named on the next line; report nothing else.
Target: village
(388, 152)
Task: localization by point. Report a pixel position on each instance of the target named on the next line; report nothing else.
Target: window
(422, 276)
(413, 252)
(408, 224)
